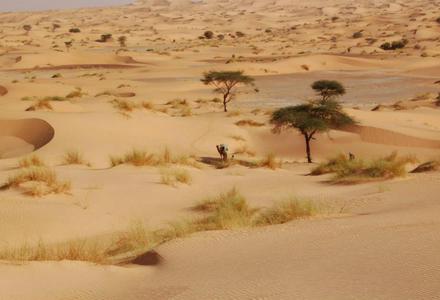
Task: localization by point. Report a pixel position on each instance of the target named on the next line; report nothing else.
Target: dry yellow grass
(174, 176)
(286, 211)
(40, 104)
(42, 181)
(74, 157)
(31, 161)
(270, 161)
(357, 170)
(140, 158)
(250, 123)
(124, 106)
(226, 211)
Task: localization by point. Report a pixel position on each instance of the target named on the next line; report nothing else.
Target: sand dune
(23, 136)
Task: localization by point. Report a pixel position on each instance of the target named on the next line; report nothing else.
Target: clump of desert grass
(31, 161)
(351, 171)
(124, 106)
(74, 157)
(140, 158)
(37, 182)
(178, 103)
(226, 211)
(287, 211)
(270, 161)
(77, 250)
(250, 123)
(40, 104)
(173, 176)
(77, 93)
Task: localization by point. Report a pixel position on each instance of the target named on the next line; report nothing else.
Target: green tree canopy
(328, 89)
(311, 118)
(226, 82)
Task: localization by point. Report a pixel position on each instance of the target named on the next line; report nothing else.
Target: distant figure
(351, 156)
(223, 151)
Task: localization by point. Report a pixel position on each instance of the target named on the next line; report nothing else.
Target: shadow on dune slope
(19, 137)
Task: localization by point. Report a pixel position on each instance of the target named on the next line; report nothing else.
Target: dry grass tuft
(250, 123)
(270, 161)
(226, 211)
(40, 181)
(124, 106)
(174, 176)
(40, 104)
(140, 158)
(287, 211)
(74, 157)
(357, 170)
(31, 161)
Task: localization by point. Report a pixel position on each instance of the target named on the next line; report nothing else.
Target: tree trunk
(309, 156)
(225, 101)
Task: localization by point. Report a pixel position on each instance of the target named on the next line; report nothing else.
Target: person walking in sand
(223, 151)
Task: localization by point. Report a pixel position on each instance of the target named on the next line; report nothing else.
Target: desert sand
(103, 99)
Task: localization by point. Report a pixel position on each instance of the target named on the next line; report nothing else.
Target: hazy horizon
(33, 5)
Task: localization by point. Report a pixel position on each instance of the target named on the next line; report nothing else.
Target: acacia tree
(226, 82)
(68, 45)
(55, 26)
(328, 89)
(122, 41)
(27, 28)
(311, 118)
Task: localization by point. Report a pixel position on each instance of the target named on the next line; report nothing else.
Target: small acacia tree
(27, 28)
(68, 45)
(328, 89)
(226, 82)
(55, 26)
(311, 118)
(122, 41)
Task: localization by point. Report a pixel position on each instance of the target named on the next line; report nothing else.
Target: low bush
(357, 170)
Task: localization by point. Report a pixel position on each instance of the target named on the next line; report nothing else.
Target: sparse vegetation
(104, 38)
(173, 176)
(31, 161)
(387, 46)
(39, 181)
(226, 211)
(270, 161)
(312, 118)
(74, 157)
(122, 41)
(139, 158)
(328, 89)
(248, 122)
(352, 171)
(225, 82)
(287, 211)
(27, 28)
(208, 35)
